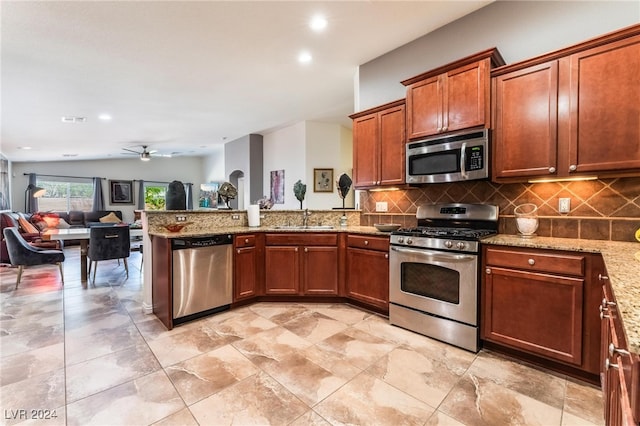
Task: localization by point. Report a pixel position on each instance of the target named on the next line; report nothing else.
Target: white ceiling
(185, 77)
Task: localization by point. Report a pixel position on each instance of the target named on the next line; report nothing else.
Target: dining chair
(22, 254)
(106, 243)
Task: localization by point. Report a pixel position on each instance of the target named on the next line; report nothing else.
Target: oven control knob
(401, 240)
(448, 244)
(460, 245)
(409, 241)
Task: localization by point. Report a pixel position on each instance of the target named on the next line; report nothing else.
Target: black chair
(106, 243)
(23, 254)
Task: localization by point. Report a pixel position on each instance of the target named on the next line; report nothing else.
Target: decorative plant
(299, 189)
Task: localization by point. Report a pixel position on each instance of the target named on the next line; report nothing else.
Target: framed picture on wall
(121, 191)
(322, 180)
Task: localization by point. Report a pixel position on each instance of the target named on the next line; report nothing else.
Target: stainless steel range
(433, 272)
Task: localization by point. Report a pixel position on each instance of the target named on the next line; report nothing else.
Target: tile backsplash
(605, 209)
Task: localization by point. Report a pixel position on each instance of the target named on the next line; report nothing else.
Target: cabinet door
(282, 270)
(245, 273)
(365, 150)
(424, 103)
(368, 277)
(605, 108)
(320, 270)
(534, 312)
(392, 146)
(466, 97)
(526, 122)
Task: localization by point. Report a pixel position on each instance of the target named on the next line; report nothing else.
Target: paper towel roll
(253, 213)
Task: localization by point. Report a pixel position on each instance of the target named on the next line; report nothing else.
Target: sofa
(70, 219)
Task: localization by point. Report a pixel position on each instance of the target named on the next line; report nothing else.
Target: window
(64, 194)
(154, 196)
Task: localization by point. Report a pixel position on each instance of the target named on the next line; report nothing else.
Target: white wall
(285, 149)
(184, 169)
(519, 29)
(328, 146)
(213, 166)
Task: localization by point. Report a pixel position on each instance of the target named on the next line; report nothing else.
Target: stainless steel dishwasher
(202, 276)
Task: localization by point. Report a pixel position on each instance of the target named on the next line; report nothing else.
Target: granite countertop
(195, 232)
(622, 260)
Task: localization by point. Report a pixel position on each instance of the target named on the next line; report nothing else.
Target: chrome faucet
(305, 217)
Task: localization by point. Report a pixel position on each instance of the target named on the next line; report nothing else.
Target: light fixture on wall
(32, 191)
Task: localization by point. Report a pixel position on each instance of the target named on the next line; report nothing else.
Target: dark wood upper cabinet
(573, 112)
(379, 146)
(452, 97)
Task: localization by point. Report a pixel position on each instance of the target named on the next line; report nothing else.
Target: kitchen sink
(309, 227)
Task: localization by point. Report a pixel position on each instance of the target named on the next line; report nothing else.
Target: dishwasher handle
(199, 242)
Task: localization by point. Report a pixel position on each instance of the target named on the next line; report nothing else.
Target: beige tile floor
(91, 357)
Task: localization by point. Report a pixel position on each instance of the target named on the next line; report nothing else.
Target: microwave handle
(463, 160)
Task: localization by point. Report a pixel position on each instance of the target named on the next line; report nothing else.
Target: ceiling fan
(145, 155)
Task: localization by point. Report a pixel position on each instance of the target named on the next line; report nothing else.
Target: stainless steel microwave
(449, 158)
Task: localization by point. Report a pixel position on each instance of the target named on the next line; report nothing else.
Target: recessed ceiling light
(318, 23)
(104, 117)
(26, 148)
(69, 155)
(304, 57)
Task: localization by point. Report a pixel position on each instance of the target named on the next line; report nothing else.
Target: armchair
(110, 242)
(31, 236)
(23, 254)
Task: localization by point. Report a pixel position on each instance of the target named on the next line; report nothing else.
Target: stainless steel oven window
(432, 281)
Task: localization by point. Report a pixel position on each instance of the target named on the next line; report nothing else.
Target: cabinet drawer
(537, 260)
(302, 239)
(367, 242)
(245, 241)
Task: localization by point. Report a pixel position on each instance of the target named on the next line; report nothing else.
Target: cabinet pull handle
(602, 278)
(531, 262)
(608, 364)
(573, 168)
(603, 316)
(552, 169)
(606, 303)
(613, 350)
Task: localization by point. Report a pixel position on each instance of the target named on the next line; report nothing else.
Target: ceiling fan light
(145, 156)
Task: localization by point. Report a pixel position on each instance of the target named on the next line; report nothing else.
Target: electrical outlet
(235, 217)
(381, 206)
(564, 205)
(181, 218)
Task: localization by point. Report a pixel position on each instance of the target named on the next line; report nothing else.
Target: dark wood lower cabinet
(246, 261)
(543, 304)
(301, 264)
(367, 271)
(619, 369)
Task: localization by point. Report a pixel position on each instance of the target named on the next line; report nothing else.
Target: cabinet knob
(238, 251)
(386, 255)
(573, 168)
(439, 129)
(295, 249)
(488, 271)
(246, 241)
(602, 278)
(606, 303)
(552, 169)
(366, 242)
(613, 350)
(531, 262)
(306, 250)
(445, 128)
(602, 315)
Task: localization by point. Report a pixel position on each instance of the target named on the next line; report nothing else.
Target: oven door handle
(450, 257)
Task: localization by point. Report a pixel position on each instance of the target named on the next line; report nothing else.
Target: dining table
(83, 235)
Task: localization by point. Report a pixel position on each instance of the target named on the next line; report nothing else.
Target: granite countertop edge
(185, 233)
(622, 260)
